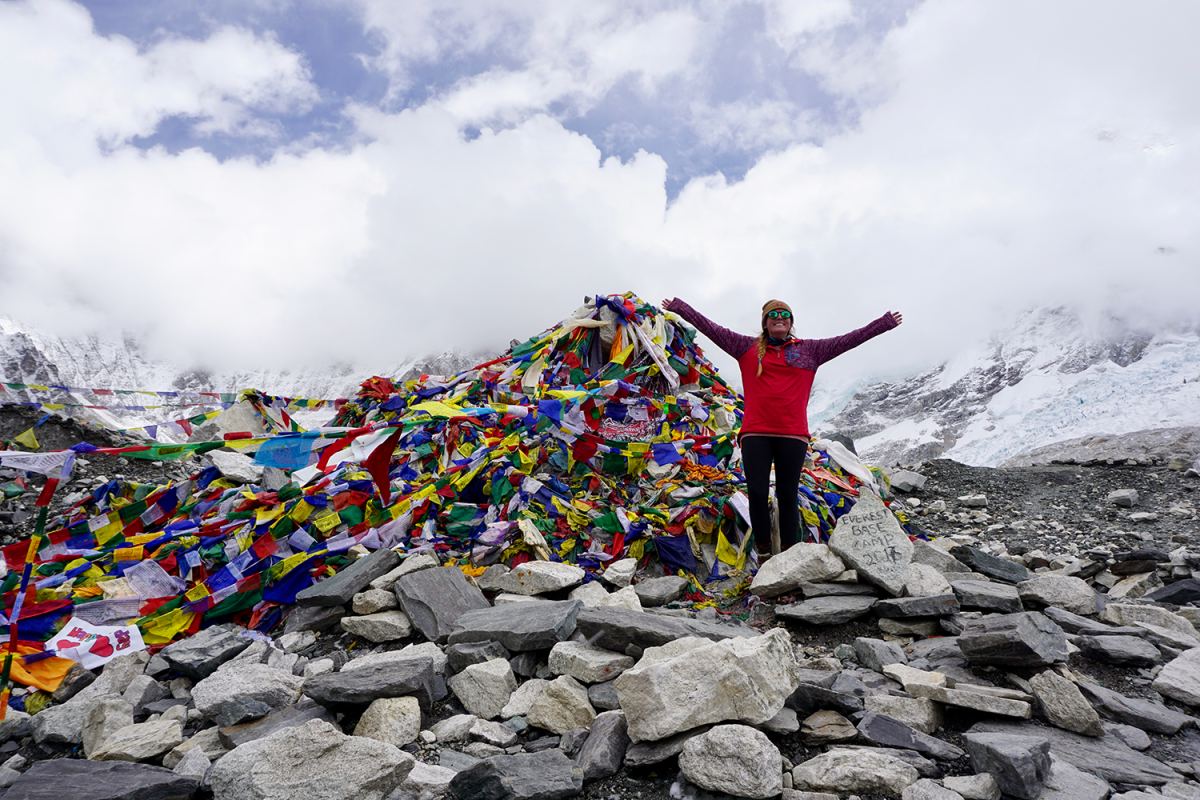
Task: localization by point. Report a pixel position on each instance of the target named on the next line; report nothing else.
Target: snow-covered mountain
(32, 357)
(1047, 378)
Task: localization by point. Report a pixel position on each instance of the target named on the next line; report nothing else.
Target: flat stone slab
(1144, 714)
(886, 731)
(199, 656)
(547, 775)
(827, 610)
(414, 677)
(435, 599)
(991, 704)
(1106, 756)
(65, 778)
(1014, 640)
(339, 589)
(939, 605)
(655, 592)
(987, 596)
(617, 628)
(996, 568)
(869, 539)
(289, 717)
(519, 626)
(539, 577)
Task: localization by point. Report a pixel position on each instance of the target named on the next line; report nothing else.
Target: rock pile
(959, 672)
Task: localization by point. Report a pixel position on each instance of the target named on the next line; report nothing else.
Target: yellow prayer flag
(262, 515)
(128, 554)
(27, 440)
(163, 629)
(301, 511)
(327, 522)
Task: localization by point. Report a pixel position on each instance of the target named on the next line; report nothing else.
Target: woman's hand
(896, 315)
(669, 304)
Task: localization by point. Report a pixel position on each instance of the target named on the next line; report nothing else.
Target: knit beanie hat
(774, 305)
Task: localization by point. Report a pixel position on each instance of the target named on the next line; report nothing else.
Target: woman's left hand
(896, 315)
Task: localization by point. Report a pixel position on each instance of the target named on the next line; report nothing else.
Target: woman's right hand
(669, 304)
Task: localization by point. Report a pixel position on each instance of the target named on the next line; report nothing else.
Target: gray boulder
(1106, 756)
(804, 562)
(655, 592)
(733, 759)
(339, 589)
(1144, 714)
(314, 760)
(694, 682)
(518, 626)
(248, 681)
(548, 775)
(140, 742)
(996, 568)
(1179, 679)
(1059, 591)
(435, 599)
(1064, 705)
(1066, 782)
(884, 731)
(987, 596)
(617, 628)
(851, 771)
(1122, 651)
(62, 778)
(540, 577)
(603, 751)
(1020, 764)
(1014, 640)
(826, 610)
(290, 717)
(413, 677)
(485, 688)
(199, 656)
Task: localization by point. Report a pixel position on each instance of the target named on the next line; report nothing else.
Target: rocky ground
(1053, 604)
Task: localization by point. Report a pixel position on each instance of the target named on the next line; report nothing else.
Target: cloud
(985, 157)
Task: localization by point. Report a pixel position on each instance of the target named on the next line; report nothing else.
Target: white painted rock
(870, 540)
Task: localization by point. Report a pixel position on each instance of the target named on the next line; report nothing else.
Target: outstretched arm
(735, 344)
(826, 349)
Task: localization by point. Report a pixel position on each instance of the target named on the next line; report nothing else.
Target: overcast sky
(256, 183)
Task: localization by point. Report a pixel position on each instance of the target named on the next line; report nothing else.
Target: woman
(777, 375)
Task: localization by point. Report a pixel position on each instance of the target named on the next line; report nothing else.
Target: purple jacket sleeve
(825, 349)
(735, 344)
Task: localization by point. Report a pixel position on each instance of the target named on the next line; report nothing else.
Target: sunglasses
(779, 314)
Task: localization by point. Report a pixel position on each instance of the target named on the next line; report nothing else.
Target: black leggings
(788, 454)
